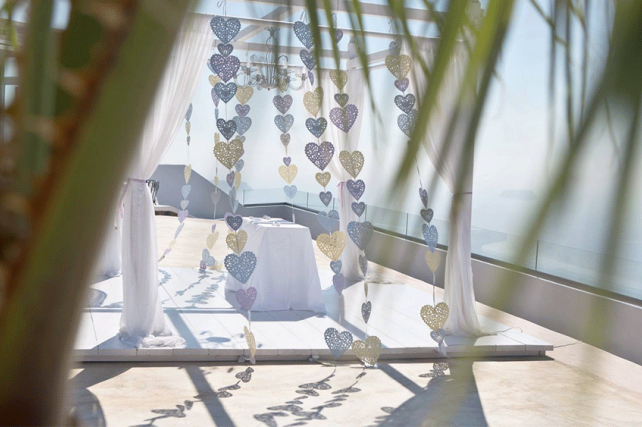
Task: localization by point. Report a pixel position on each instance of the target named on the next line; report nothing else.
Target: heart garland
(320, 154)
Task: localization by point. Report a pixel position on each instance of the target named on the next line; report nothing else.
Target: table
(286, 275)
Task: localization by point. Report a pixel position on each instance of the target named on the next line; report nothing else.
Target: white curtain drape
(110, 262)
(142, 322)
(459, 293)
(343, 141)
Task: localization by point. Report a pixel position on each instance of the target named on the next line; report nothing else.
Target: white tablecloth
(286, 275)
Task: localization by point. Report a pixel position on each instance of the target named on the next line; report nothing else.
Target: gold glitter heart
(188, 127)
(216, 180)
(214, 79)
(398, 65)
(435, 317)
(288, 173)
(367, 351)
(237, 179)
(352, 163)
(323, 178)
(217, 137)
(313, 100)
(339, 78)
(244, 93)
(236, 241)
(332, 245)
(251, 342)
(172, 243)
(365, 288)
(211, 240)
(229, 153)
(187, 172)
(433, 259)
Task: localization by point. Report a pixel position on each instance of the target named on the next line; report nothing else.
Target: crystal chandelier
(269, 71)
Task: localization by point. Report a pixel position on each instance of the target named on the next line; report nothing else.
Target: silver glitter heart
(303, 33)
(234, 203)
(215, 97)
(358, 208)
(215, 196)
(344, 118)
(284, 123)
(406, 122)
(338, 343)
(233, 221)
(423, 195)
(290, 191)
(438, 336)
(227, 128)
(326, 197)
(316, 126)
(242, 110)
(225, 67)
(405, 103)
(341, 98)
(225, 49)
(282, 103)
(308, 59)
(225, 91)
(363, 264)
(360, 233)
(246, 298)
(356, 188)
(427, 214)
(335, 266)
(402, 84)
(241, 267)
(186, 190)
(431, 236)
(320, 154)
(230, 178)
(225, 29)
(242, 124)
(207, 259)
(339, 282)
(366, 308)
(188, 115)
(329, 221)
(239, 165)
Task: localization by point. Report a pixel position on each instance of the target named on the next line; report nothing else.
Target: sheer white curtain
(459, 293)
(142, 322)
(110, 263)
(343, 141)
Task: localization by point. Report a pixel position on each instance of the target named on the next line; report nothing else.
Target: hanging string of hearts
(283, 122)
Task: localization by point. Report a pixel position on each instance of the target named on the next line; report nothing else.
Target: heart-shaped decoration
(237, 180)
(326, 197)
(329, 221)
(234, 203)
(285, 140)
(363, 265)
(423, 195)
(225, 91)
(339, 283)
(225, 49)
(208, 259)
(233, 221)
(230, 178)
(308, 59)
(335, 266)
(215, 196)
(405, 103)
(344, 118)
(242, 124)
(366, 309)
(246, 298)
(244, 94)
(225, 28)
(438, 336)
(360, 233)
(242, 110)
(211, 240)
(435, 317)
(213, 79)
(185, 190)
(251, 342)
(431, 236)
(216, 180)
(358, 208)
(215, 98)
(229, 153)
(189, 138)
(303, 33)
(188, 114)
(320, 154)
(287, 161)
(402, 84)
(227, 128)
(241, 266)
(313, 100)
(225, 67)
(356, 188)
(352, 162)
(178, 231)
(282, 103)
(290, 191)
(284, 123)
(395, 47)
(236, 241)
(341, 98)
(316, 126)
(188, 127)
(338, 34)
(187, 173)
(323, 178)
(338, 343)
(288, 173)
(339, 78)
(184, 204)
(311, 77)
(332, 245)
(239, 165)
(427, 214)
(182, 215)
(433, 259)
(406, 122)
(245, 376)
(368, 351)
(398, 65)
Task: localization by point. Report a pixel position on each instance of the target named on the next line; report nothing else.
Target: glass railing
(556, 260)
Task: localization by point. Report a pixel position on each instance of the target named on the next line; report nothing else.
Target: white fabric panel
(459, 293)
(110, 263)
(286, 275)
(142, 321)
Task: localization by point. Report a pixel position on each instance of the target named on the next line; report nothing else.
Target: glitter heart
(398, 65)
(313, 100)
(225, 29)
(230, 179)
(188, 127)
(187, 173)
(326, 197)
(227, 128)
(356, 188)
(360, 233)
(338, 34)
(251, 342)
(368, 351)
(319, 154)
(234, 203)
(215, 196)
(229, 153)
(184, 204)
(435, 317)
(303, 33)
(239, 165)
(338, 343)
(438, 336)
(211, 240)
(352, 162)
(395, 47)
(246, 298)
(344, 118)
(423, 195)
(284, 123)
(234, 222)
(208, 259)
(242, 110)
(225, 67)
(290, 191)
(244, 94)
(402, 84)
(282, 103)
(182, 215)
(427, 214)
(308, 59)
(316, 126)
(236, 241)
(335, 266)
(341, 98)
(186, 190)
(323, 178)
(329, 221)
(405, 103)
(366, 309)
(363, 264)
(358, 208)
(241, 267)
(431, 236)
(433, 259)
(406, 122)
(213, 79)
(285, 139)
(339, 78)
(288, 173)
(287, 161)
(243, 124)
(311, 77)
(215, 97)
(332, 245)
(188, 115)
(225, 91)
(339, 283)
(225, 49)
